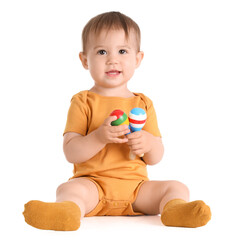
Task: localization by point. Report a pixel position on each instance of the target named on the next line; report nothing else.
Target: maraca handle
(137, 118)
(132, 155)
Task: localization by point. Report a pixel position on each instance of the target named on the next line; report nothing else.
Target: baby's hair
(110, 21)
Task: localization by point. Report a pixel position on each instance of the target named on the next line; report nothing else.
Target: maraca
(122, 118)
(137, 119)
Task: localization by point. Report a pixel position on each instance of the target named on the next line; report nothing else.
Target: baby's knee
(71, 188)
(180, 187)
(62, 188)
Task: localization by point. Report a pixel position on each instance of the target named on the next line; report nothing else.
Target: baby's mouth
(113, 73)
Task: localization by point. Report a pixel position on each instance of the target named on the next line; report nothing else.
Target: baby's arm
(78, 148)
(144, 142)
(155, 155)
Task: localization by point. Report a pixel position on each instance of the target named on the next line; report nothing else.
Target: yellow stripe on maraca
(126, 122)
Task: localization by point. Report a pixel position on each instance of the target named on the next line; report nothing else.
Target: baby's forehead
(106, 35)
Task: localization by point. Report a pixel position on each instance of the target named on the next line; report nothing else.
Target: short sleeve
(77, 116)
(151, 125)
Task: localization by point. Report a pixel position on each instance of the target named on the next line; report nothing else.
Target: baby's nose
(112, 59)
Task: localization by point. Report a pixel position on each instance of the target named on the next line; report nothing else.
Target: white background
(191, 71)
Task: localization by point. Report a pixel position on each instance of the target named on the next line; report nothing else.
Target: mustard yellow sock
(60, 216)
(179, 213)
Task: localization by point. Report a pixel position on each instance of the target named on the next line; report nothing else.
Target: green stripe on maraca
(123, 119)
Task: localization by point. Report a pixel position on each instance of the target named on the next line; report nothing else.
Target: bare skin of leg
(81, 191)
(153, 196)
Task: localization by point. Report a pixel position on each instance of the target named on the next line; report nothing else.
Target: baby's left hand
(140, 142)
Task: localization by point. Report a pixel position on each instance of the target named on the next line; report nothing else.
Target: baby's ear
(139, 58)
(83, 59)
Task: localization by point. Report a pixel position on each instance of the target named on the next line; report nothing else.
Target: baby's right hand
(107, 133)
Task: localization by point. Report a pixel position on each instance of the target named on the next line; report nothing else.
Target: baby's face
(111, 58)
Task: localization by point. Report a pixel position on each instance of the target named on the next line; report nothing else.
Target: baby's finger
(119, 129)
(135, 141)
(139, 152)
(136, 149)
(120, 140)
(134, 135)
(119, 134)
(110, 119)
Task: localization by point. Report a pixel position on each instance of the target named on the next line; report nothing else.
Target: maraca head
(122, 118)
(137, 119)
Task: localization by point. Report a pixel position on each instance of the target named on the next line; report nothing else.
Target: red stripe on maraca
(118, 113)
(136, 121)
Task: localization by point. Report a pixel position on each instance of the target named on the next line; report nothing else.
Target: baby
(105, 180)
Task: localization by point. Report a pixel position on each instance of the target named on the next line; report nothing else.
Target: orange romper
(117, 178)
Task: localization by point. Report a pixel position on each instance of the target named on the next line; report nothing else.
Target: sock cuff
(173, 202)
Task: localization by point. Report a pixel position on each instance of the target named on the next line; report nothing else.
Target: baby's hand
(140, 142)
(110, 134)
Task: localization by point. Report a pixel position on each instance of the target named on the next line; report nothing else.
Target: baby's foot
(63, 216)
(178, 213)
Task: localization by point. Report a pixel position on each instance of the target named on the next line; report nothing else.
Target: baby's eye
(122, 51)
(102, 52)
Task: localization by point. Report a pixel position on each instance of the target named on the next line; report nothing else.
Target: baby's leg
(170, 199)
(81, 191)
(75, 198)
